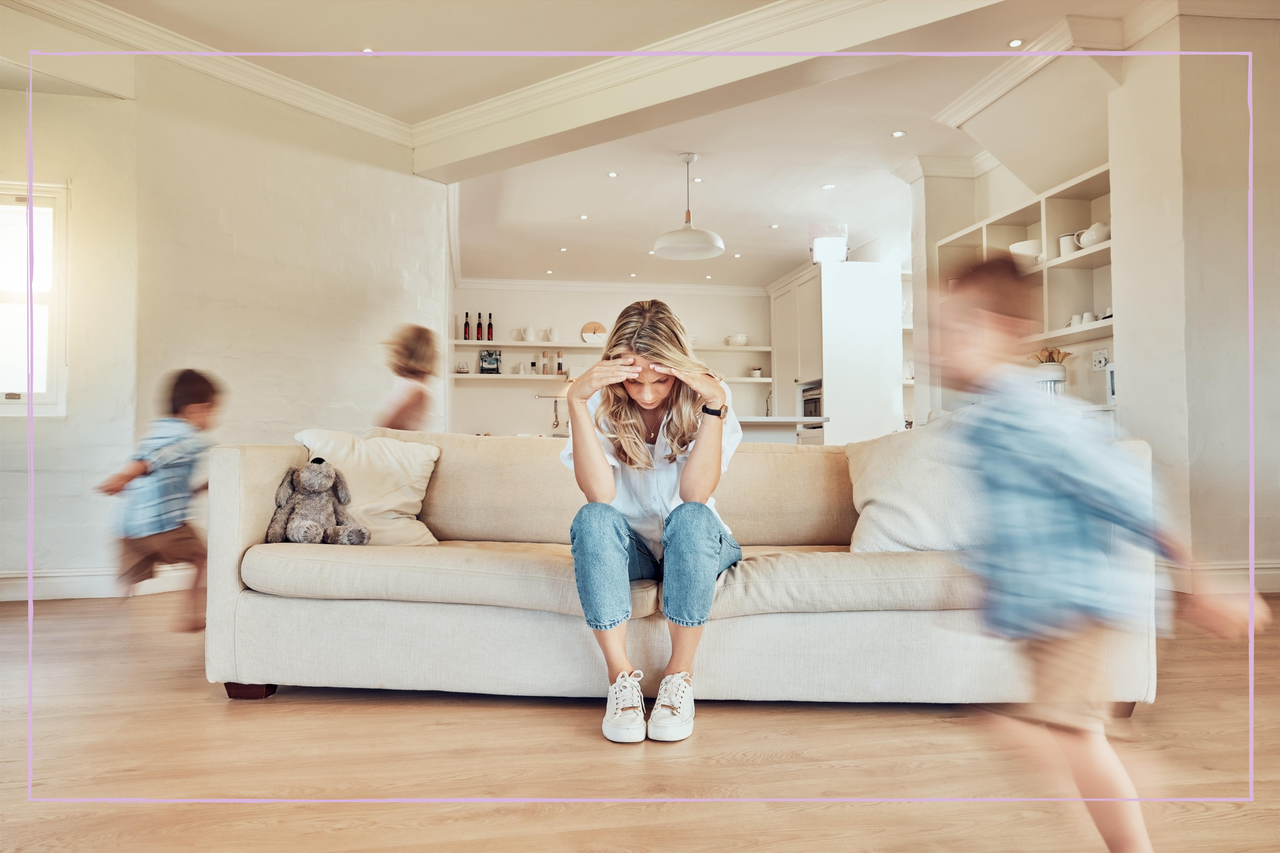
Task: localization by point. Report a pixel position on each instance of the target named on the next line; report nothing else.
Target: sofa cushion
(787, 494)
(539, 576)
(387, 479)
(527, 576)
(915, 491)
(496, 488)
(791, 580)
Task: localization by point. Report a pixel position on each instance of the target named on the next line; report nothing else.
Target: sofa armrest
(242, 499)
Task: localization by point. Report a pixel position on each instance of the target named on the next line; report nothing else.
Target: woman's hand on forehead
(703, 384)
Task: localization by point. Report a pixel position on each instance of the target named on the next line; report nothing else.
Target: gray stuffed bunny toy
(309, 508)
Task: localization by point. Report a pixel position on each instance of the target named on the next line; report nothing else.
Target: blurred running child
(412, 358)
(157, 490)
(1052, 493)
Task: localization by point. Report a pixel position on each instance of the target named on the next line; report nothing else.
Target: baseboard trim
(1226, 576)
(91, 583)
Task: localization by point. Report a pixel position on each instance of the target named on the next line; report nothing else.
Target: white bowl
(1026, 251)
(736, 340)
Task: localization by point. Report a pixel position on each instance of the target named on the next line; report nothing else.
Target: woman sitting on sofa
(651, 433)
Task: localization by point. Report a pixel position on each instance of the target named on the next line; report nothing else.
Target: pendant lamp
(688, 243)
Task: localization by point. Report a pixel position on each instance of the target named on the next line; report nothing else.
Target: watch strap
(718, 413)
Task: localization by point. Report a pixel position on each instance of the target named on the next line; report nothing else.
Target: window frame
(53, 401)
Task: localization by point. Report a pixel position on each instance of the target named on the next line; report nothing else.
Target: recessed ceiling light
(828, 186)
(1016, 43)
(773, 226)
(899, 133)
(613, 174)
(583, 216)
(697, 180)
(633, 275)
(708, 276)
(737, 256)
(548, 272)
(367, 50)
(651, 251)
(564, 250)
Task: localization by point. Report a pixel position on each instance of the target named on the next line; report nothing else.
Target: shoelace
(626, 693)
(672, 691)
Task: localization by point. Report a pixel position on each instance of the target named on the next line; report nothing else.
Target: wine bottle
(466, 328)
(490, 325)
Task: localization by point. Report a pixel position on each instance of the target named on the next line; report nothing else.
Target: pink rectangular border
(593, 53)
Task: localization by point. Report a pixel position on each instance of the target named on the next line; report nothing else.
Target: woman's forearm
(590, 467)
(701, 473)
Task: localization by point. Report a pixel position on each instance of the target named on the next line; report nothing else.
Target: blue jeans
(607, 556)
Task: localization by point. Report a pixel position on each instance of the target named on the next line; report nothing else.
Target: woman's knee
(596, 520)
(691, 519)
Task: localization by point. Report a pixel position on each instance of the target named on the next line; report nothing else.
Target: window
(49, 377)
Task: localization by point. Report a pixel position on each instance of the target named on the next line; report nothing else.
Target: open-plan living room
(640, 424)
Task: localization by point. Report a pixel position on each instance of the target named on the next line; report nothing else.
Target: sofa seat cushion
(819, 580)
(502, 574)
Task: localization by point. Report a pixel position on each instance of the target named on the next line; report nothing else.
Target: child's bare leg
(1098, 773)
(1034, 741)
(195, 600)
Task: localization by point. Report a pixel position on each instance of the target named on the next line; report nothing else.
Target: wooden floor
(122, 709)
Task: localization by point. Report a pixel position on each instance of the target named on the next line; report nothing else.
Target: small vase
(1052, 378)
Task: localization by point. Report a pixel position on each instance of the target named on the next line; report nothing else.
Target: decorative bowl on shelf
(1027, 253)
(736, 340)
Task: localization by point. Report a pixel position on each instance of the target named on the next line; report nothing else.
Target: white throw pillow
(915, 491)
(388, 480)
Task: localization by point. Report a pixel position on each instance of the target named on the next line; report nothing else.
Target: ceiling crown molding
(995, 85)
(137, 34)
(751, 27)
(946, 167)
(610, 287)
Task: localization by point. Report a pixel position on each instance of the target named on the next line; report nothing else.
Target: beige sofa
(494, 609)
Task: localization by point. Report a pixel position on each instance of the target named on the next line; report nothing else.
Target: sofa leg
(1123, 709)
(248, 691)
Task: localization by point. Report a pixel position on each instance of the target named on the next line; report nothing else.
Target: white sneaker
(624, 711)
(672, 717)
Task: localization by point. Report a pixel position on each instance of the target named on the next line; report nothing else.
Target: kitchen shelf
(907, 383)
(565, 345)
(1074, 334)
(509, 377)
(1091, 258)
(754, 380)
(539, 345)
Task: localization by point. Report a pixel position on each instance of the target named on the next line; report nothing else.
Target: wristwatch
(718, 413)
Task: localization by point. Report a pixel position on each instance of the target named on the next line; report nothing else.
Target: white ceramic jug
(1096, 233)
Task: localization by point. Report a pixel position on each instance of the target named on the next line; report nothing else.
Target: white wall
(1215, 177)
(217, 229)
(509, 408)
(277, 250)
(1147, 262)
(997, 191)
(91, 142)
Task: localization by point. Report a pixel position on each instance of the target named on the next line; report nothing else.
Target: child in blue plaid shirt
(157, 490)
(1051, 491)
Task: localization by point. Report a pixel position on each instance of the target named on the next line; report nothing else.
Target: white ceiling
(763, 163)
(413, 89)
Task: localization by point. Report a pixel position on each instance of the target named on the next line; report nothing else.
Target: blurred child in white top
(651, 431)
(412, 358)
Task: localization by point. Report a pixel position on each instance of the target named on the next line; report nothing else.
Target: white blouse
(645, 498)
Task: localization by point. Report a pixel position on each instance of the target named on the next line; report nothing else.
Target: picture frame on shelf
(490, 361)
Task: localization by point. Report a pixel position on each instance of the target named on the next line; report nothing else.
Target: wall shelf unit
(1060, 288)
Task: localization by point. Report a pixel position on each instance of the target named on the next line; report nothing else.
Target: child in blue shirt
(1051, 492)
(156, 485)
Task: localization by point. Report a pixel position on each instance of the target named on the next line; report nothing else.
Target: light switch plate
(1099, 360)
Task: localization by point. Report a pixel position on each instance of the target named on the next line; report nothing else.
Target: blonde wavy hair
(650, 329)
(412, 352)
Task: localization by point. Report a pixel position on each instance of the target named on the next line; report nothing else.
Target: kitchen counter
(781, 430)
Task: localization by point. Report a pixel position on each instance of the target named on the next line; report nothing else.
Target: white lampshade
(689, 244)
